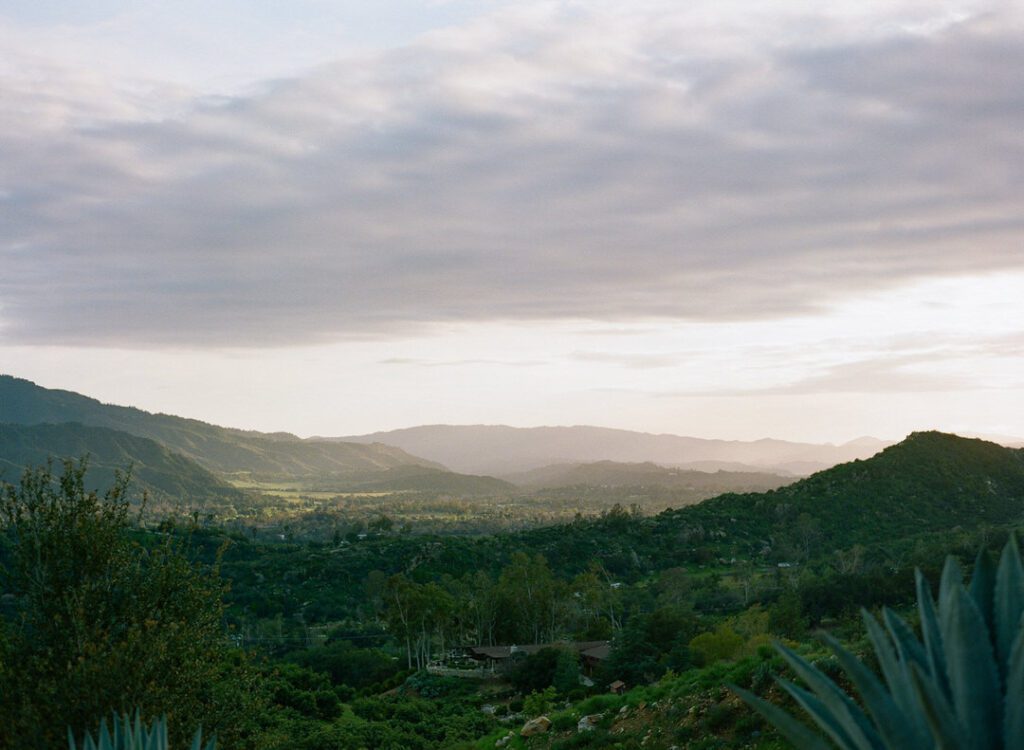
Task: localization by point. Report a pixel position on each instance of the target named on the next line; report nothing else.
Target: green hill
(154, 469)
(929, 482)
(219, 449)
(646, 474)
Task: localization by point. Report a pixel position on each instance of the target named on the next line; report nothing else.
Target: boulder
(588, 723)
(535, 726)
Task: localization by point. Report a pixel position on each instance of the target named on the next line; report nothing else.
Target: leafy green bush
(961, 686)
(131, 734)
(100, 616)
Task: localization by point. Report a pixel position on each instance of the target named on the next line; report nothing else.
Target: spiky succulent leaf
(891, 721)
(947, 734)
(983, 585)
(932, 634)
(1013, 706)
(801, 736)
(1008, 604)
(841, 708)
(973, 678)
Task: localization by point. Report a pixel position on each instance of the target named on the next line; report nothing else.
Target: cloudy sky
(718, 218)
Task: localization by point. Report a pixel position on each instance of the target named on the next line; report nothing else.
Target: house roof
(504, 652)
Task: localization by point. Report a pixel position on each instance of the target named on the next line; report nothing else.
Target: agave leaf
(952, 577)
(801, 736)
(947, 734)
(839, 705)
(983, 584)
(890, 719)
(1013, 720)
(1009, 603)
(932, 634)
(973, 677)
(822, 715)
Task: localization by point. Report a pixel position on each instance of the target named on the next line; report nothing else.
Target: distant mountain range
(198, 451)
(506, 451)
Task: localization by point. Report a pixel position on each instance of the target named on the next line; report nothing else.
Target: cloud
(549, 161)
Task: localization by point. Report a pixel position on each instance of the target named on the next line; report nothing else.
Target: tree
(102, 619)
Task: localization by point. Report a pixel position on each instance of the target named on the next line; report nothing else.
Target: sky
(725, 219)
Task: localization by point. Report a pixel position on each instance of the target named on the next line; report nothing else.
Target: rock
(588, 723)
(535, 726)
(489, 709)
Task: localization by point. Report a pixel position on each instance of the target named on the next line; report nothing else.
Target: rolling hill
(221, 450)
(929, 482)
(503, 451)
(616, 474)
(154, 469)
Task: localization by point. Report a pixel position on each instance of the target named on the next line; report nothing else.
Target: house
(591, 652)
(618, 687)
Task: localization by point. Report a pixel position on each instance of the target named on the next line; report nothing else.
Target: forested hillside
(166, 476)
(646, 474)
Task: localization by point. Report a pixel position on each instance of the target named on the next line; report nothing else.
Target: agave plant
(129, 733)
(961, 686)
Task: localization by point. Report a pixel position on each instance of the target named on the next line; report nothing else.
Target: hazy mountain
(219, 449)
(154, 469)
(615, 474)
(502, 451)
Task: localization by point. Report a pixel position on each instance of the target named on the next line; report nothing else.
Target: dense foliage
(96, 620)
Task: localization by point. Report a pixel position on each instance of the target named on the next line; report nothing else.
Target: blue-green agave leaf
(983, 585)
(932, 633)
(842, 708)
(892, 722)
(1009, 603)
(947, 734)
(821, 714)
(970, 664)
(802, 737)
(1013, 719)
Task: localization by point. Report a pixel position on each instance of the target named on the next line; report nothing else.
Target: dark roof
(504, 652)
(599, 653)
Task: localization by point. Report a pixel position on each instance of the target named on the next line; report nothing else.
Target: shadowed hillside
(615, 474)
(154, 469)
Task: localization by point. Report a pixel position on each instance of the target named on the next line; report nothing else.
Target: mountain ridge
(501, 450)
(223, 450)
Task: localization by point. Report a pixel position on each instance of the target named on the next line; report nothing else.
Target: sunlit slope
(219, 449)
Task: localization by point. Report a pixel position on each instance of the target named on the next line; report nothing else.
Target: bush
(102, 617)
